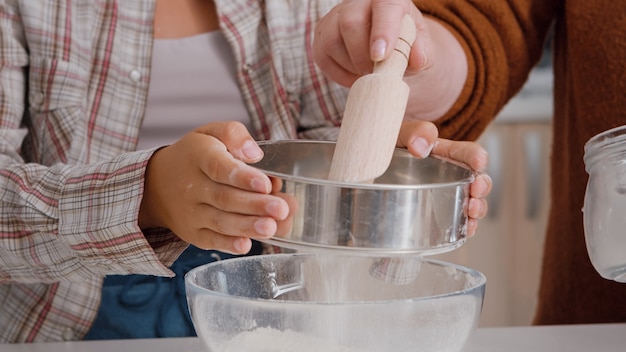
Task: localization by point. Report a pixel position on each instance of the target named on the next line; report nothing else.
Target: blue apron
(144, 306)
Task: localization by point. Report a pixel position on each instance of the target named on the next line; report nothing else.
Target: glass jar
(605, 203)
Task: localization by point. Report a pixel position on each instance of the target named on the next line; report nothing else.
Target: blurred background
(508, 246)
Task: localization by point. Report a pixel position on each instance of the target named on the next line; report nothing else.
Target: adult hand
(202, 189)
(357, 33)
(421, 139)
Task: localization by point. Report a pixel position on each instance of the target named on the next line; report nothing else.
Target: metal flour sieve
(418, 206)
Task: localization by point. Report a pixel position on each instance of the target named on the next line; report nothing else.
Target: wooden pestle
(373, 115)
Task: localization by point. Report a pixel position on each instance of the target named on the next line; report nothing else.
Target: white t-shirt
(192, 83)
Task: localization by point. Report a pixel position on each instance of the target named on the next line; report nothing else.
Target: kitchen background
(508, 245)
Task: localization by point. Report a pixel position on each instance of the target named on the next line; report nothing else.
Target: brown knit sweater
(503, 40)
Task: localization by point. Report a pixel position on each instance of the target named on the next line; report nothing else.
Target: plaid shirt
(73, 86)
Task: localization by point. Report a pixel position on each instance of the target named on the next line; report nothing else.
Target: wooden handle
(373, 115)
(395, 64)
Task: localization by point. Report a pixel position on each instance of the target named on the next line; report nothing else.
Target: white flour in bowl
(279, 341)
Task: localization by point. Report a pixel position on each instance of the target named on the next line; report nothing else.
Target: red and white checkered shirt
(73, 85)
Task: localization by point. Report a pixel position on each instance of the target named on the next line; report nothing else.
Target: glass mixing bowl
(321, 302)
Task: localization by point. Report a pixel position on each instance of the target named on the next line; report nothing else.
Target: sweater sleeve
(503, 40)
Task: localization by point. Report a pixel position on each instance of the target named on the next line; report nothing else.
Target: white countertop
(560, 338)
